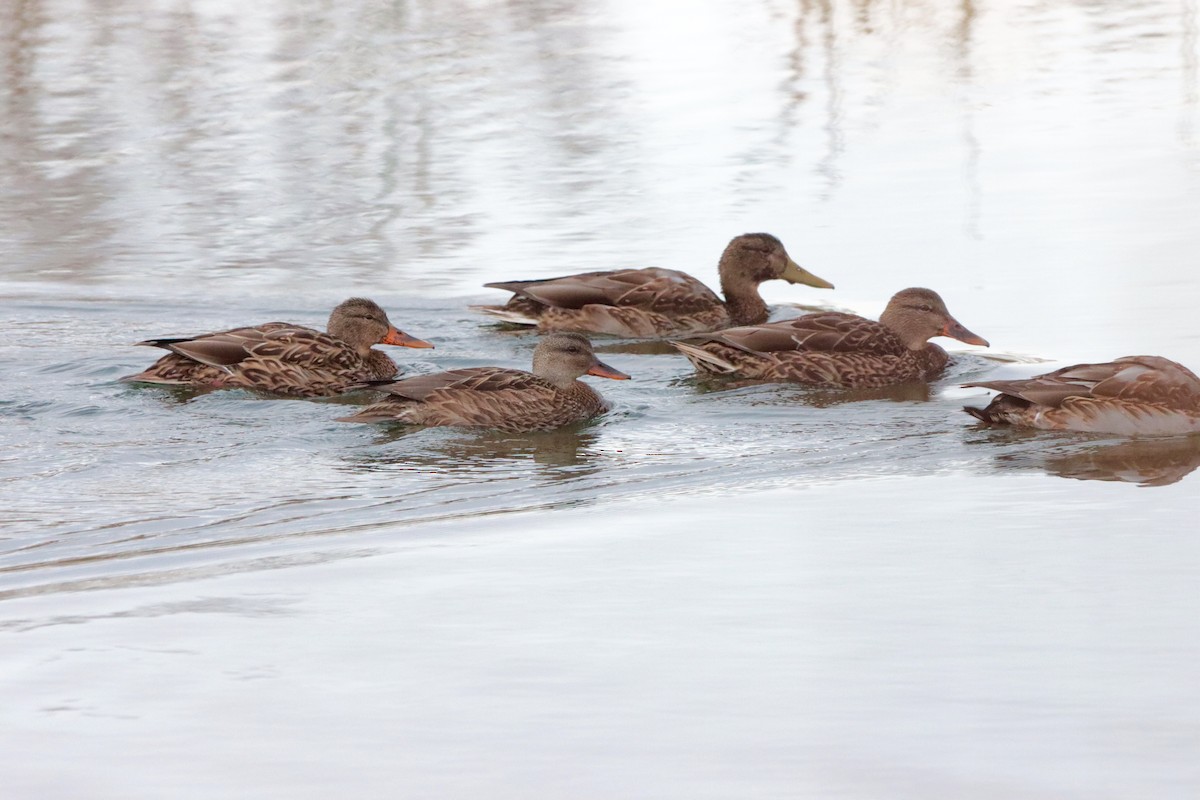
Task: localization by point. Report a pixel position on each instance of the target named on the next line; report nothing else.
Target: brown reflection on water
(1146, 462)
(466, 451)
(819, 398)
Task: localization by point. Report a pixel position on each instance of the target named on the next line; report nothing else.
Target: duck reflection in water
(566, 453)
(1146, 462)
(916, 392)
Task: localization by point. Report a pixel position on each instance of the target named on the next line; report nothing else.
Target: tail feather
(164, 343)
(980, 414)
(506, 315)
(704, 360)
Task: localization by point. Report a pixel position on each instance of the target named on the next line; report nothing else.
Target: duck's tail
(506, 315)
(703, 360)
(980, 414)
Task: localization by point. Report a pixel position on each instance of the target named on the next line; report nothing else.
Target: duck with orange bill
(837, 350)
(500, 398)
(283, 358)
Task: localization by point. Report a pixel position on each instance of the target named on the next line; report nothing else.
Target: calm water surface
(714, 591)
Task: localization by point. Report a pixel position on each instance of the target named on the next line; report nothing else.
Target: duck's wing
(651, 288)
(220, 349)
(463, 382)
(305, 349)
(274, 345)
(1134, 379)
(830, 332)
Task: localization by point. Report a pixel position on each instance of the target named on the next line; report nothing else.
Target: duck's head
(917, 315)
(361, 323)
(757, 257)
(562, 357)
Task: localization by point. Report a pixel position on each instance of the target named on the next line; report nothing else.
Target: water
(712, 591)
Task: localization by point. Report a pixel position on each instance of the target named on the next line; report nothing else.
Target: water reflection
(570, 452)
(1146, 462)
(816, 398)
(1191, 93)
(347, 139)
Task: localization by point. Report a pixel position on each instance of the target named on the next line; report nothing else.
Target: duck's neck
(743, 302)
(897, 324)
(566, 383)
(380, 364)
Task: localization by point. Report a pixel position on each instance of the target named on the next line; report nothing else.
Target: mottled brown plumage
(1132, 396)
(837, 350)
(505, 399)
(282, 358)
(654, 302)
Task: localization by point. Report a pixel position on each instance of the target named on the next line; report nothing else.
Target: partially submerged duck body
(283, 358)
(654, 302)
(835, 350)
(1131, 396)
(499, 398)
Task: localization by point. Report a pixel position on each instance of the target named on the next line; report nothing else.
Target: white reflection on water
(1032, 159)
(900, 639)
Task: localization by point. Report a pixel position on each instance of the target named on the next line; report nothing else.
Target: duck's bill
(402, 339)
(955, 330)
(602, 370)
(794, 273)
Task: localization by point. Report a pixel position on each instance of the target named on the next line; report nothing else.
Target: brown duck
(505, 399)
(282, 358)
(654, 302)
(837, 350)
(1133, 396)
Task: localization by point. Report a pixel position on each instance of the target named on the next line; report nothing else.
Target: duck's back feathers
(830, 332)
(484, 397)
(472, 379)
(276, 357)
(624, 302)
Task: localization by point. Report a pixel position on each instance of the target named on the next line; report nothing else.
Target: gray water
(713, 591)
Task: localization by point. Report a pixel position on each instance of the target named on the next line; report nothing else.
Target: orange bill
(955, 330)
(402, 339)
(602, 370)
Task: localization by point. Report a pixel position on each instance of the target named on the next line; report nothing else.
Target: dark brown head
(756, 257)
(361, 323)
(562, 357)
(917, 315)
(749, 260)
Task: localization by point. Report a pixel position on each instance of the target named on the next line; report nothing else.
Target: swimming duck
(283, 358)
(836, 350)
(1132, 396)
(505, 399)
(654, 302)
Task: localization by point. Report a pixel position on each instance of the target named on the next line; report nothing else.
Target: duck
(509, 400)
(1130, 396)
(282, 358)
(652, 302)
(837, 350)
